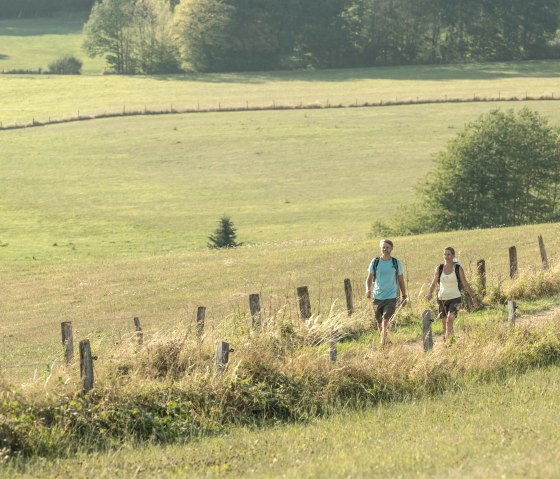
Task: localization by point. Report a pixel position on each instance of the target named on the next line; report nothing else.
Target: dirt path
(540, 317)
(531, 319)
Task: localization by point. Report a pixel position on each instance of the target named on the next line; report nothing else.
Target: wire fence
(126, 111)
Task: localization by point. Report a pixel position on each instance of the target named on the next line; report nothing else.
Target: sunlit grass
(492, 430)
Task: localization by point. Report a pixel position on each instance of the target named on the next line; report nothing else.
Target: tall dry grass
(166, 390)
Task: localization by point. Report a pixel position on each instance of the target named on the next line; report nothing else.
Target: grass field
(104, 220)
(494, 430)
(30, 44)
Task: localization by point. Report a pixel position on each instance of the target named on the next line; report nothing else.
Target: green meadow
(494, 430)
(103, 220)
(33, 44)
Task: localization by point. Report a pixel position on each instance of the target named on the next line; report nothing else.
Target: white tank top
(448, 286)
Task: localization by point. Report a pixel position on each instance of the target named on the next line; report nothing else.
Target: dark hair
(449, 248)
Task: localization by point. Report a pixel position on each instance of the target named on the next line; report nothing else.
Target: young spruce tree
(224, 236)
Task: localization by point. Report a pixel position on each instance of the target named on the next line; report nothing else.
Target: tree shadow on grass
(4, 57)
(471, 71)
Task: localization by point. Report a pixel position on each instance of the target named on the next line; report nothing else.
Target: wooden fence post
(512, 262)
(86, 366)
(200, 315)
(427, 330)
(512, 306)
(544, 258)
(304, 303)
(481, 269)
(332, 349)
(255, 307)
(67, 341)
(222, 357)
(349, 297)
(139, 333)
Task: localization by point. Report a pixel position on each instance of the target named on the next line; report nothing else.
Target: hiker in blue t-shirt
(449, 279)
(386, 275)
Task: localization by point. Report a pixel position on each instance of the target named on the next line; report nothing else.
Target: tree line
(245, 35)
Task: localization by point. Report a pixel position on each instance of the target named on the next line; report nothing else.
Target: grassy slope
(495, 430)
(130, 220)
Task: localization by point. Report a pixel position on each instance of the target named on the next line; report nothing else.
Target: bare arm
(433, 285)
(402, 287)
(369, 280)
(467, 287)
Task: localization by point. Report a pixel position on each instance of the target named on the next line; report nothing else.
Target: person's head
(449, 254)
(386, 246)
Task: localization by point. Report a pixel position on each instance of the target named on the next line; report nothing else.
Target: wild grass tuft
(535, 283)
(166, 390)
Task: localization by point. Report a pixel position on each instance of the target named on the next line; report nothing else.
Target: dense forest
(241, 35)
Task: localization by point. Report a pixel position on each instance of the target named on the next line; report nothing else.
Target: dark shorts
(384, 309)
(449, 306)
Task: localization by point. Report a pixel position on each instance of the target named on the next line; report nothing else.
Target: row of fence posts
(481, 271)
(223, 348)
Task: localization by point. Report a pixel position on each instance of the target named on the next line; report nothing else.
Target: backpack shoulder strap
(396, 266)
(375, 265)
(458, 274)
(440, 271)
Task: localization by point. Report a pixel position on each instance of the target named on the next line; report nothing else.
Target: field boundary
(124, 112)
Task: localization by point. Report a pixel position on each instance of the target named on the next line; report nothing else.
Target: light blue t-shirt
(385, 286)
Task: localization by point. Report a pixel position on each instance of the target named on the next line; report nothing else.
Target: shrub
(66, 65)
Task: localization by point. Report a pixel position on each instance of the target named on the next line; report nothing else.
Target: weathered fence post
(332, 349)
(222, 357)
(255, 307)
(67, 341)
(544, 258)
(512, 306)
(481, 269)
(427, 330)
(200, 315)
(512, 262)
(86, 366)
(349, 297)
(304, 303)
(139, 333)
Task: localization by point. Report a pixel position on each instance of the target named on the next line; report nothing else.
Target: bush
(66, 65)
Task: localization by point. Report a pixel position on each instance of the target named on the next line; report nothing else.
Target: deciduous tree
(109, 33)
(503, 169)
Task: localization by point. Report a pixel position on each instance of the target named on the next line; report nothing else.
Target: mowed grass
(42, 98)
(33, 44)
(491, 430)
(148, 186)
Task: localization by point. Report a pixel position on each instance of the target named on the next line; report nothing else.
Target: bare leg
(384, 331)
(449, 331)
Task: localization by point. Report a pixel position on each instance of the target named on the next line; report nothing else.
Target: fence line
(312, 106)
(223, 349)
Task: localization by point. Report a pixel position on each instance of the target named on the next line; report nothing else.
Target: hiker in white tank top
(450, 277)
(448, 285)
